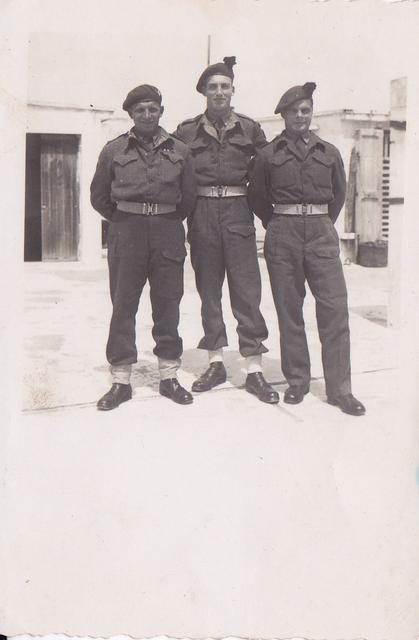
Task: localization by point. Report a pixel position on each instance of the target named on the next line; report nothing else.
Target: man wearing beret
(221, 229)
(297, 187)
(145, 185)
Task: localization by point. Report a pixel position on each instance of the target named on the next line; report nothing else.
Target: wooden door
(369, 176)
(59, 197)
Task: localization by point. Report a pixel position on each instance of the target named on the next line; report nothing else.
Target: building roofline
(70, 107)
(114, 118)
(349, 114)
(269, 118)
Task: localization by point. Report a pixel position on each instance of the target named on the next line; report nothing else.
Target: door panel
(369, 145)
(59, 197)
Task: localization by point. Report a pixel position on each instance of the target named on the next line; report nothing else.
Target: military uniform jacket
(280, 174)
(126, 171)
(225, 161)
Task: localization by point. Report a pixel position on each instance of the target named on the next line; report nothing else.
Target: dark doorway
(52, 197)
(33, 241)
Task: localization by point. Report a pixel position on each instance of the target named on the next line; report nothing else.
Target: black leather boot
(294, 394)
(117, 393)
(171, 388)
(256, 384)
(214, 375)
(348, 404)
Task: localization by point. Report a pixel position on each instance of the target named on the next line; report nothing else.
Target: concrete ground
(225, 517)
(67, 312)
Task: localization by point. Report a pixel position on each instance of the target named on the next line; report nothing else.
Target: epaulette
(276, 143)
(278, 138)
(191, 120)
(176, 142)
(122, 135)
(324, 143)
(329, 145)
(241, 115)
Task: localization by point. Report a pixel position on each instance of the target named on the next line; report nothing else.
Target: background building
(364, 142)
(398, 119)
(63, 143)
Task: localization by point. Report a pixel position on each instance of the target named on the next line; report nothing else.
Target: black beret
(224, 68)
(143, 92)
(300, 92)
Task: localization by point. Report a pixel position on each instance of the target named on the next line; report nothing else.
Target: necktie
(301, 146)
(219, 127)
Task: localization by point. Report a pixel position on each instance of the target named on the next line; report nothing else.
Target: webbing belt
(301, 209)
(221, 191)
(145, 208)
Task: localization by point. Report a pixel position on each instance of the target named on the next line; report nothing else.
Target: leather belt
(221, 191)
(301, 209)
(145, 208)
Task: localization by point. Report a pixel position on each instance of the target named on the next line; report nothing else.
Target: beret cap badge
(224, 68)
(140, 93)
(299, 92)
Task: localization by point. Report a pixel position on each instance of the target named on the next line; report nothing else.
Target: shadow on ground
(375, 313)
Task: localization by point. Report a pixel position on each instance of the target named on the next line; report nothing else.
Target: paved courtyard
(227, 517)
(67, 312)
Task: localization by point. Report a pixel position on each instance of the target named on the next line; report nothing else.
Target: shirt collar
(160, 138)
(311, 140)
(230, 120)
(290, 136)
(229, 123)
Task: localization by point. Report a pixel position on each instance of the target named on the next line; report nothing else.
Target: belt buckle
(221, 191)
(304, 208)
(151, 208)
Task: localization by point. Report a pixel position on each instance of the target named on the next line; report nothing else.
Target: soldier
(221, 230)
(145, 185)
(297, 188)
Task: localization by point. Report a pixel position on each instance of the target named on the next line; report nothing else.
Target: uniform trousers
(300, 248)
(223, 242)
(142, 248)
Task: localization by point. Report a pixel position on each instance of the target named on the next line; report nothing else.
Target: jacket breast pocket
(171, 167)
(241, 147)
(321, 169)
(283, 171)
(127, 169)
(198, 146)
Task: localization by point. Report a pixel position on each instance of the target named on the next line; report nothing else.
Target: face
(298, 117)
(218, 92)
(146, 115)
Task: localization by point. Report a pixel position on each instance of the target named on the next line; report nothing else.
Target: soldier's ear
(161, 110)
(233, 88)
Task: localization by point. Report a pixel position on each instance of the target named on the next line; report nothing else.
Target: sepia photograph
(209, 319)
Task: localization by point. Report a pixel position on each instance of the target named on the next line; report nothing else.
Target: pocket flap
(327, 252)
(240, 140)
(173, 156)
(242, 229)
(178, 255)
(323, 159)
(199, 143)
(125, 159)
(281, 159)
